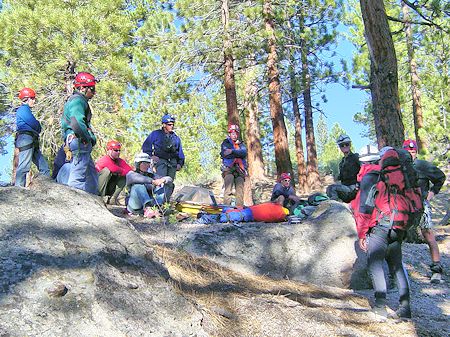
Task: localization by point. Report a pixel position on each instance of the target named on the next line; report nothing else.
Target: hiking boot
(436, 278)
(403, 312)
(436, 272)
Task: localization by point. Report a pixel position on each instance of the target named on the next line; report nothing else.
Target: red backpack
(397, 200)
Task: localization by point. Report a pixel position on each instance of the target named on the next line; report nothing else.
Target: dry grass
(235, 304)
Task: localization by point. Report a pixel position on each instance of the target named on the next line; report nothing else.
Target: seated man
(348, 170)
(283, 193)
(145, 188)
(112, 171)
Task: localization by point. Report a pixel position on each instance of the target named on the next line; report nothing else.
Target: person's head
(344, 142)
(233, 132)
(168, 122)
(27, 96)
(113, 148)
(369, 154)
(143, 162)
(285, 179)
(85, 83)
(410, 145)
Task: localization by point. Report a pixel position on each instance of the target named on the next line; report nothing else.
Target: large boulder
(322, 249)
(71, 268)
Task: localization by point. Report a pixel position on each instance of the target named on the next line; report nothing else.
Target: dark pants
(110, 184)
(233, 176)
(386, 244)
(166, 168)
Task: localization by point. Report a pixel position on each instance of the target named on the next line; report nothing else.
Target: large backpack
(398, 200)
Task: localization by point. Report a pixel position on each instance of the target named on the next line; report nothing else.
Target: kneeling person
(145, 188)
(112, 171)
(283, 193)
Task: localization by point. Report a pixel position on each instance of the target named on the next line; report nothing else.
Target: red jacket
(118, 166)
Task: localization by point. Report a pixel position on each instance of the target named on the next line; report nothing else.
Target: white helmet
(142, 157)
(343, 139)
(369, 153)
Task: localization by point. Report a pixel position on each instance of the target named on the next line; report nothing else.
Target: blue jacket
(25, 120)
(165, 146)
(236, 153)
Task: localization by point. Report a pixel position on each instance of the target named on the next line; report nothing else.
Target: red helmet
(27, 93)
(113, 145)
(410, 144)
(233, 127)
(285, 175)
(84, 80)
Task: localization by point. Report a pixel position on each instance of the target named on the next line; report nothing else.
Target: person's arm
(147, 146)
(136, 178)
(241, 152)
(25, 115)
(180, 161)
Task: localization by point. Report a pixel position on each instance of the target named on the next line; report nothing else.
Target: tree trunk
(415, 81)
(383, 74)
(230, 86)
(282, 157)
(301, 169)
(254, 147)
(312, 167)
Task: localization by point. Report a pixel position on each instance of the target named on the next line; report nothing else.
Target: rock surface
(68, 267)
(322, 250)
(71, 268)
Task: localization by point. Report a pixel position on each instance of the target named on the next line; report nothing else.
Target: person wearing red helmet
(283, 193)
(234, 166)
(112, 171)
(78, 135)
(27, 138)
(430, 180)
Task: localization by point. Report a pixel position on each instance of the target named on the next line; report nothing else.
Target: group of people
(379, 236)
(148, 184)
(151, 181)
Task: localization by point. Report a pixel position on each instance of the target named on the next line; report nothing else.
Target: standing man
(112, 171)
(78, 135)
(428, 173)
(164, 146)
(27, 138)
(234, 166)
(348, 170)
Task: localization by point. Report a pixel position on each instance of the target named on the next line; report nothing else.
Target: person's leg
(104, 176)
(228, 180)
(280, 200)
(80, 164)
(120, 182)
(91, 177)
(426, 227)
(394, 259)
(41, 162)
(25, 157)
(138, 199)
(63, 174)
(376, 252)
(239, 182)
(171, 172)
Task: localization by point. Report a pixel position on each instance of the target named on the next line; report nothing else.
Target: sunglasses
(116, 150)
(170, 124)
(344, 144)
(286, 180)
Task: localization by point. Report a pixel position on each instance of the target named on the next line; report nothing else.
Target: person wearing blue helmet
(164, 146)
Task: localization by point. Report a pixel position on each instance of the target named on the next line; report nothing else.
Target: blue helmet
(168, 119)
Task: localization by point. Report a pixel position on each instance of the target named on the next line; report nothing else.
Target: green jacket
(76, 119)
